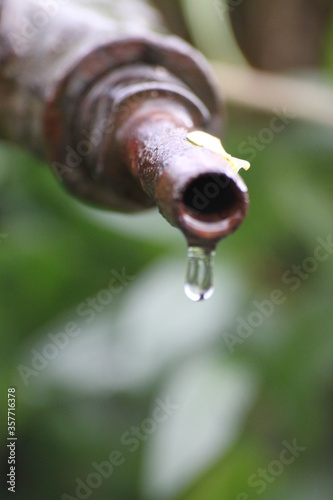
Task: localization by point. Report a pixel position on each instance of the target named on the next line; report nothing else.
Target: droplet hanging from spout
(199, 273)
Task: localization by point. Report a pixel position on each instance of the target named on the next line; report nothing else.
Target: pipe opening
(212, 197)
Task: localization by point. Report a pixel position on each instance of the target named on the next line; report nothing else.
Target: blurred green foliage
(236, 406)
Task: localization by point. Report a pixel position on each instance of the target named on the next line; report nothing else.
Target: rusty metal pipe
(195, 189)
(108, 103)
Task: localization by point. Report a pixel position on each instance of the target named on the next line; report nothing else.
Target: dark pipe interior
(212, 196)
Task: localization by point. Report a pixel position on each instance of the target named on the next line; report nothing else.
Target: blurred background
(200, 400)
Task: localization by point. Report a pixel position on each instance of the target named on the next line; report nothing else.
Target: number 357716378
(11, 411)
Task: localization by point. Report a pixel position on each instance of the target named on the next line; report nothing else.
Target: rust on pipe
(108, 103)
(195, 189)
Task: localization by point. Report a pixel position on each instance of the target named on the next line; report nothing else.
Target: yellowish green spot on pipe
(204, 140)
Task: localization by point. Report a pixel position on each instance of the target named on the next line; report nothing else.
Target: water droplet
(199, 273)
